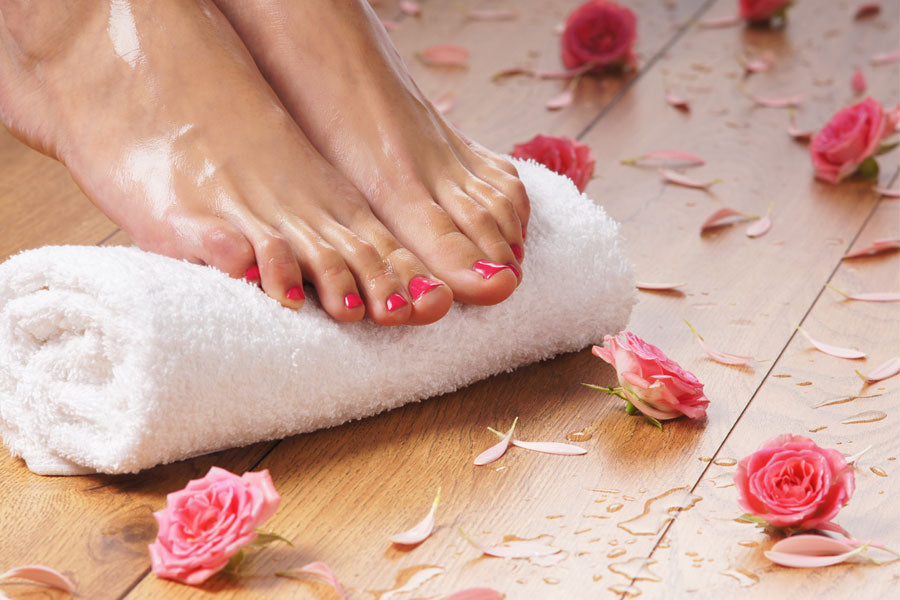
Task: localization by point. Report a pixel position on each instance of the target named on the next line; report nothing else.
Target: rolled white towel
(115, 360)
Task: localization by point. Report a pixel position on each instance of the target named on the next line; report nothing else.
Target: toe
(222, 246)
(503, 212)
(277, 268)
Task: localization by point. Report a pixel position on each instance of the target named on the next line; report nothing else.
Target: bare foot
(451, 202)
(163, 119)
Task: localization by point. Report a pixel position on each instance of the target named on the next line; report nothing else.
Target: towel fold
(115, 360)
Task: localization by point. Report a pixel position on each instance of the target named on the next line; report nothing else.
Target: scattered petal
(877, 247)
(888, 369)
(41, 574)
(758, 64)
(476, 594)
(855, 457)
(564, 98)
(445, 55)
(411, 8)
(389, 24)
(726, 358)
(422, 530)
(514, 549)
(801, 135)
(497, 450)
(779, 102)
(885, 58)
(678, 102)
(679, 179)
(869, 9)
(445, 102)
(546, 447)
(658, 287)
(833, 350)
(669, 156)
(491, 15)
(723, 216)
(514, 71)
(888, 192)
(869, 296)
(716, 22)
(761, 226)
(808, 550)
(858, 83)
(318, 571)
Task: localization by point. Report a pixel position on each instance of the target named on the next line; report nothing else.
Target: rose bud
(601, 34)
(560, 154)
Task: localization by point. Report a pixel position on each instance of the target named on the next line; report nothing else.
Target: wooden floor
(645, 512)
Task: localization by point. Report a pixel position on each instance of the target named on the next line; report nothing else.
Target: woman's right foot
(164, 121)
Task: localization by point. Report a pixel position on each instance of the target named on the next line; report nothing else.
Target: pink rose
(850, 137)
(655, 384)
(208, 522)
(599, 33)
(560, 154)
(762, 10)
(792, 482)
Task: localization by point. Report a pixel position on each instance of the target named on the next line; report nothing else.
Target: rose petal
(808, 551)
(318, 571)
(888, 192)
(659, 287)
(876, 247)
(885, 58)
(562, 100)
(678, 102)
(723, 216)
(869, 296)
(726, 358)
(413, 9)
(720, 22)
(511, 73)
(498, 450)
(833, 350)
(422, 529)
(760, 227)
(883, 371)
(389, 24)
(676, 156)
(41, 574)
(855, 457)
(476, 594)
(858, 83)
(798, 134)
(679, 179)
(777, 102)
(758, 64)
(445, 102)
(491, 15)
(444, 55)
(869, 9)
(551, 448)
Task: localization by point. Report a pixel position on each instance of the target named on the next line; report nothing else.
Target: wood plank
(348, 489)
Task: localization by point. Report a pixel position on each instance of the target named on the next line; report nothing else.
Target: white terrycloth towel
(115, 360)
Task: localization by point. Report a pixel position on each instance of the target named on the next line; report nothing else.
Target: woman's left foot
(458, 207)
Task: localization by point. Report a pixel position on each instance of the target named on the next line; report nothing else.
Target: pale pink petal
(476, 594)
(876, 247)
(723, 216)
(888, 192)
(658, 287)
(420, 531)
(445, 55)
(675, 156)
(41, 574)
(855, 457)
(498, 14)
(551, 448)
(679, 179)
(885, 58)
(413, 9)
(869, 9)
(720, 22)
(318, 571)
(759, 64)
(888, 369)
(779, 102)
(808, 551)
(833, 350)
(498, 450)
(801, 135)
(389, 24)
(759, 227)
(562, 100)
(858, 83)
(726, 358)
(511, 73)
(869, 296)
(445, 102)
(677, 101)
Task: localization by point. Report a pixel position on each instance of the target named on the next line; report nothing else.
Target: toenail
(252, 273)
(517, 251)
(488, 269)
(395, 302)
(296, 293)
(351, 301)
(515, 270)
(419, 286)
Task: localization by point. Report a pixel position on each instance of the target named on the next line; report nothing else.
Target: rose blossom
(560, 154)
(599, 33)
(851, 136)
(208, 522)
(792, 482)
(761, 10)
(655, 384)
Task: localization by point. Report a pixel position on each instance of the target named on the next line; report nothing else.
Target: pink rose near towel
(114, 360)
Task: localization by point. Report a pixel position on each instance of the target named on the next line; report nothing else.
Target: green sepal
(630, 408)
(263, 539)
(235, 563)
(868, 169)
(653, 421)
(885, 148)
(609, 390)
(751, 518)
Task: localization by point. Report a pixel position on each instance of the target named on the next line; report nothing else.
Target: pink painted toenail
(296, 293)
(488, 269)
(517, 251)
(252, 273)
(395, 301)
(515, 270)
(351, 301)
(419, 286)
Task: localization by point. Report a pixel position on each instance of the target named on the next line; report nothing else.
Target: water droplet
(555, 516)
(630, 541)
(580, 531)
(748, 543)
(551, 580)
(817, 429)
(781, 375)
(627, 498)
(614, 507)
(657, 513)
(501, 468)
(725, 462)
(878, 471)
(616, 553)
(598, 577)
(869, 416)
(635, 569)
(579, 436)
(605, 491)
(743, 576)
(690, 554)
(892, 458)
(705, 458)
(803, 383)
(613, 542)
(407, 580)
